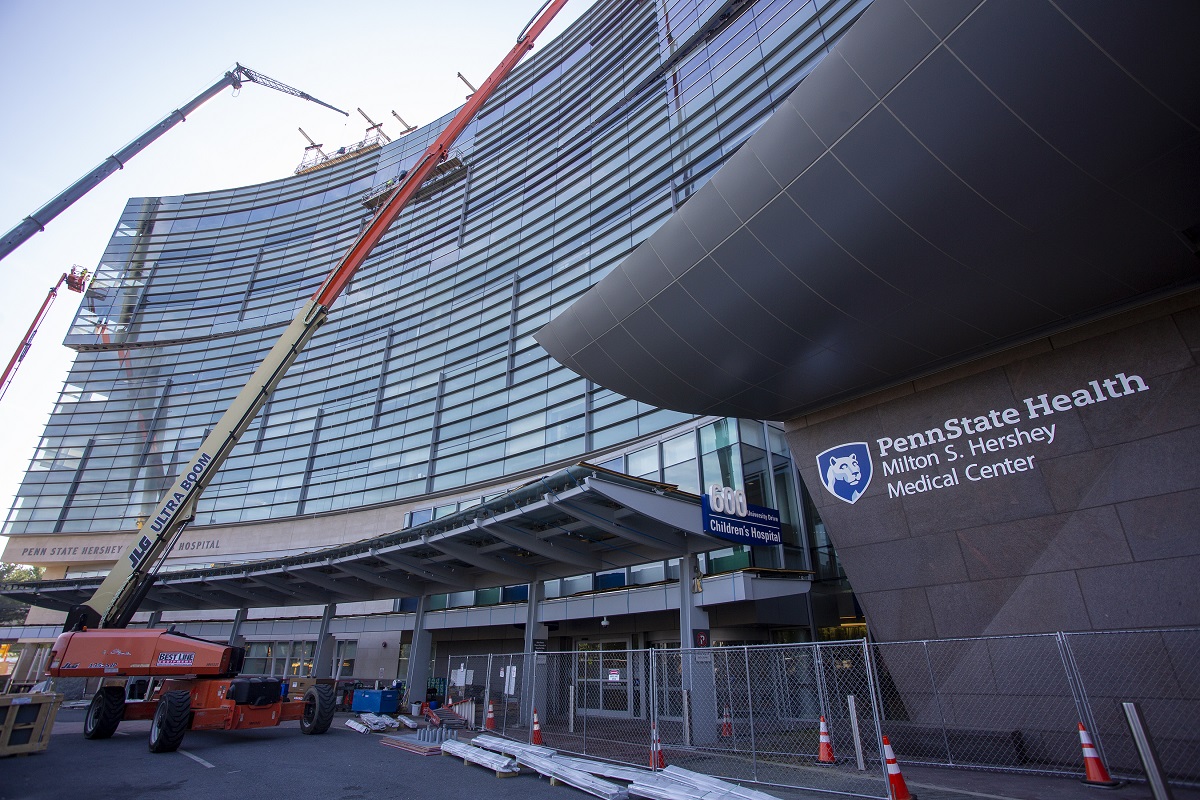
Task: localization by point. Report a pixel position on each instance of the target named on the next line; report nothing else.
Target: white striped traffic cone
(490, 723)
(1094, 772)
(537, 730)
(897, 788)
(657, 760)
(825, 747)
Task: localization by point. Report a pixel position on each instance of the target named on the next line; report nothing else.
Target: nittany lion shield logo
(846, 470)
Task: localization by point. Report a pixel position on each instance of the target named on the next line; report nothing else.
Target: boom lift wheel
(171, 721)
(104, 713)
(318, 709)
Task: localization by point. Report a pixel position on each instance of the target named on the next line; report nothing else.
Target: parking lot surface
(346, 765)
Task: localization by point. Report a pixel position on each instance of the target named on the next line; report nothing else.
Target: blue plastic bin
(376, 701)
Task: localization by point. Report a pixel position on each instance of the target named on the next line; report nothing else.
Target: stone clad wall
(995, 510)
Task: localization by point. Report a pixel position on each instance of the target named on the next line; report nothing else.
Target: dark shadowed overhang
(582, 519)
(953, 179)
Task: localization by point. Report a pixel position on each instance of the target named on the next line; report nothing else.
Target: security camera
(604, 622)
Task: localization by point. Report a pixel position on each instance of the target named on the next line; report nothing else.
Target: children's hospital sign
(982, 445)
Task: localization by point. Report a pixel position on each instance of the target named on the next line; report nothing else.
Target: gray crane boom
(38, 219)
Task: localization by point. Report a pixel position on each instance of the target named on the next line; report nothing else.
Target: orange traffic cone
(825, 748)
(537, 730)
(490, 723)
(726, 725)
(657, 760)
(897, 788)
(1095, 773)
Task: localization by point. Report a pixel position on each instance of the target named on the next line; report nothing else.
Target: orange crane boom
(197, 684)
(118, 597)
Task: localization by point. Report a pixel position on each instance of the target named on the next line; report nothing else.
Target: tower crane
(233, 78)
(199, 686)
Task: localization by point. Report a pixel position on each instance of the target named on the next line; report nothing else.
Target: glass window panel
(679, 449)
(684, 476)
(644, 463)
(716, 435)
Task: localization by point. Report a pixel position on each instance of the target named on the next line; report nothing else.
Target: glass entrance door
(603, 683)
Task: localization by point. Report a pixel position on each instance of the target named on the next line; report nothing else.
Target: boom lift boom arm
(75, 282)
(38, 219)
(117, 598)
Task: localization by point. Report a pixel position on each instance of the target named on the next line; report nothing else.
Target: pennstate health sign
(726, 515)
(962, 451)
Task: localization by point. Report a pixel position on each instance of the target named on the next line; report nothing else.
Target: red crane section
(75, 281)
(433, 155)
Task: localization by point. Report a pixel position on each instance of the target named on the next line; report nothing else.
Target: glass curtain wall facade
(426, 380)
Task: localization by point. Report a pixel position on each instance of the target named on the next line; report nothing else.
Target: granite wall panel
(1007, 528)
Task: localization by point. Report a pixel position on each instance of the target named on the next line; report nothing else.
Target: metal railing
(314, 157)
(754, 713)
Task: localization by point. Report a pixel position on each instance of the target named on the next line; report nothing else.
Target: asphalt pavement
(346, 765)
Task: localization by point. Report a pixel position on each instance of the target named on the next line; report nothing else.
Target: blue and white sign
(727, 515)
(846, 470)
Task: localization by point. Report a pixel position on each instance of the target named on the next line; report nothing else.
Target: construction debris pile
(372, 723)
(506, 757)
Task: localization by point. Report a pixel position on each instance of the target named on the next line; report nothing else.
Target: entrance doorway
(604, 683)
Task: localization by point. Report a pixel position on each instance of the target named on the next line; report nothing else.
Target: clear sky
(85, 78)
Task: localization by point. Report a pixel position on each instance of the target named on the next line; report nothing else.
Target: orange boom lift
(195, 682)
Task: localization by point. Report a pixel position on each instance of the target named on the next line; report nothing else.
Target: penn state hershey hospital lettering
(985, 437)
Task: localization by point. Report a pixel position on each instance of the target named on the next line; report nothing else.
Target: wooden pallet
(26, 721)
(411, 745)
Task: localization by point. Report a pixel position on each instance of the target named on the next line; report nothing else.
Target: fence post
(937, 695)
(531, 701)
(858, 751)
(750, 714)
(576, 670)
(1146, 752)
(487, 690)
(1071, 669)
(876, 694)
(728, 681)
(652, 689)
(819, 669)
(571, 707)
(686, 699)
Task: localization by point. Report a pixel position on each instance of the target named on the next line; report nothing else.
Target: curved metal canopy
(953, 179)
(580, 520)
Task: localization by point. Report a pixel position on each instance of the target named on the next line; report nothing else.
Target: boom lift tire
(318, 709)
(171, 720)
(104, 713)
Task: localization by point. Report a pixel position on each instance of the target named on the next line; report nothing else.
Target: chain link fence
(496, 682)
(1164, 686)
(758, 713)
(1015, 703)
